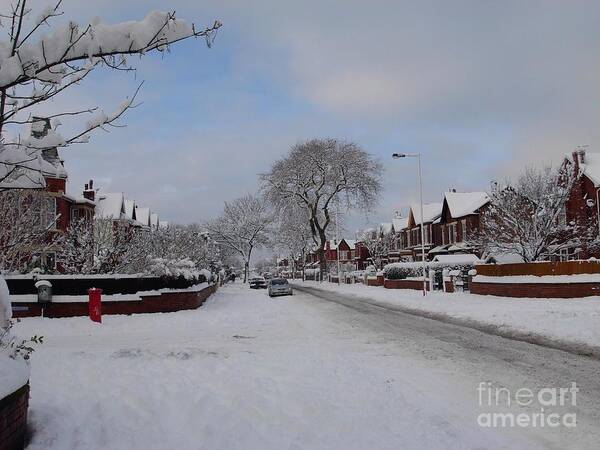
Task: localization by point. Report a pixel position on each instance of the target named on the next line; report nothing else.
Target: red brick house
(346, 249)
(400, 250)
(461, 212)
(59, 208)
(583, 206)
(431, 217)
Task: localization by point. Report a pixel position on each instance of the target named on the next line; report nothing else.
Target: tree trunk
(321, 252)
(246, 266)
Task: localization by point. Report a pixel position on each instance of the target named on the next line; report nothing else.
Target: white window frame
(452, 233)
(49, 216)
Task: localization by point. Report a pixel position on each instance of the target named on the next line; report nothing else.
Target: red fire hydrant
(95, 304)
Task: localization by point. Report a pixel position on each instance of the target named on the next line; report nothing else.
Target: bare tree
(528, 217)
(319, 173)
(171, 245)
(378, 243)
(35, 67)
(293, 236)
(243, 226)
(25, 224)
(78, 248)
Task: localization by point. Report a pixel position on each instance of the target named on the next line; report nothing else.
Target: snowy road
(249, 372)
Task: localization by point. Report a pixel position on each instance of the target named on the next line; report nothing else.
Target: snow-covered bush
(174, 268)
(400, 271)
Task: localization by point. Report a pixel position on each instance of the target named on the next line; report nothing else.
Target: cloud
(481, 88)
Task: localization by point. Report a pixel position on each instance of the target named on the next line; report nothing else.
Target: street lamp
(418, 156)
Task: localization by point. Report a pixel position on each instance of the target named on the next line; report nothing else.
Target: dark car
(258, 283)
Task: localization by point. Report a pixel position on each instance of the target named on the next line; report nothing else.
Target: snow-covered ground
(566, 320)
(249, 372)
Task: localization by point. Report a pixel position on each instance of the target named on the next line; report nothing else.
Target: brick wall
(417, 285)
(536, 290)
(166, 302)
(13, 419)
(379, 281)
(539, 268)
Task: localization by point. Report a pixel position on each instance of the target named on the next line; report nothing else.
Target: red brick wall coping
(13, 419)
(160, 302)
(536, 290)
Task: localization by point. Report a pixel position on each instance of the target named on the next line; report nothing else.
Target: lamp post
(418, 156)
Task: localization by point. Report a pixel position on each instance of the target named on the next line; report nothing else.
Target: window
(443, 234)
(50, 262)
(452, 233)
(463, 226)
(563, 254)
(49, 213)
(343, 254)
(75, 214)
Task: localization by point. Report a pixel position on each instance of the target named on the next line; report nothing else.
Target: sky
(480, 88)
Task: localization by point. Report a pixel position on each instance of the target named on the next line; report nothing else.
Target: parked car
(258, 283)
(280, 286)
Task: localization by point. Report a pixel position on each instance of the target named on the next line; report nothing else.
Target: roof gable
(110, 205)
(431, 212)
(460, 204)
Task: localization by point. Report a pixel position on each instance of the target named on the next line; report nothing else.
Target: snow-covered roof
(465, 203)
(386, 227)
(439, 249)
(79, 199)
(143, 215)
(129, 208)
(154, 220)
(351, 243)
(400, 223)
(464, 258)
(22, 168)
(110, 205)
(590, 167)
(431, 211)
(504, 258)
(332, 244)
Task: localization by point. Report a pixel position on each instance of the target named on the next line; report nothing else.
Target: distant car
(258, 283)
(280, 286)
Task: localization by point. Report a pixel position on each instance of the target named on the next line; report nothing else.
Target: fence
(539, 268)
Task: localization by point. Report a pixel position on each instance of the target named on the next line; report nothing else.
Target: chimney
(452, 190)
(398, 214)
(39, 126)
(581, 154)
(89, 192)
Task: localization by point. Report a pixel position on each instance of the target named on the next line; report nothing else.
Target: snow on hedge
(398, 271)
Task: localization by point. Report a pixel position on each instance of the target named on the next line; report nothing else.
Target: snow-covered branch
(243, 226)
(320, 175)
(40, 60)
(528, 217)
